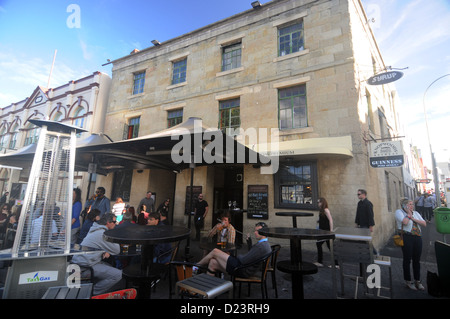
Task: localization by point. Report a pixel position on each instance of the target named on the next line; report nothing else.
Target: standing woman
(118, 209)
(325, 223)
(410, 221)
(76, 211)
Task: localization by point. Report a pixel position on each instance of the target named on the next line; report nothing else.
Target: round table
(294, 216)
(148, 237)
(296, 266)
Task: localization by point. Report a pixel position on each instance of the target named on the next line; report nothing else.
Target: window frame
(228, 56)
(138, 82)
(304, 120)
(179, 71)
(292, 49)
(226, 107)
(174, 117)
(278, 184)
(131, 130)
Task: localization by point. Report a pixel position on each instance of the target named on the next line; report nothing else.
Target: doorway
(228, 186)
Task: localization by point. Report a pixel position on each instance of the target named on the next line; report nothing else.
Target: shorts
(232, 263)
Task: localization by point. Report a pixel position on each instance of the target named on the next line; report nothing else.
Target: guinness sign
(386, 154)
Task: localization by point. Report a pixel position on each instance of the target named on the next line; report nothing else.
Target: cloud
(21, 74)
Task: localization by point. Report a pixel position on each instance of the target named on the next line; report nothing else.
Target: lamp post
(433, 159)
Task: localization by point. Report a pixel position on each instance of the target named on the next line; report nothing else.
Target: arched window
(58, 117)
(3, 138)
(79, 117)
(32, 134)
(14, 133)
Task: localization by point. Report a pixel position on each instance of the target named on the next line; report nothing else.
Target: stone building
(80, 103)
(298, 66)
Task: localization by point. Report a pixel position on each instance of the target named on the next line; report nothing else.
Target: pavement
(319, 285)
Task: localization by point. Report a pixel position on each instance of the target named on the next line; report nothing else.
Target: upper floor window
(174, 117)
(231, 57)
(14, 134)
(229, 114)
(138, 82)
(32, 135)
(292, 111)
(3, 139)
(290, 39)
(131, 129)
(79, 117)
(179, 71)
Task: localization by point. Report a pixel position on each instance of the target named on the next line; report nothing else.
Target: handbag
(398, 239)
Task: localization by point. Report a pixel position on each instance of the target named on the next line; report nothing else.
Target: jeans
(412, 250)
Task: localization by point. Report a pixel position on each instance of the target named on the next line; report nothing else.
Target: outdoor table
(296, 266)
(208, 244)
(353, 233)
(148, 237)
(294, 216)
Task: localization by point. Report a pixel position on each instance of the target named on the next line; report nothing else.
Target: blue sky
(413, 34)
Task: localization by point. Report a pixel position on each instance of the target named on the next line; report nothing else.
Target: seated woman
(219, 261)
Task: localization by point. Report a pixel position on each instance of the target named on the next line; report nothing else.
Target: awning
(311, 148)
(154, 151)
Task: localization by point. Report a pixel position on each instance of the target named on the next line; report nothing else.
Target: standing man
(419, 203)
(201, 210)
(148, 202)
(364, 213)
(101, 202)
(3, 198)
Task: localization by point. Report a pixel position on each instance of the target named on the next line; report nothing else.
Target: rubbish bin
(442, 219)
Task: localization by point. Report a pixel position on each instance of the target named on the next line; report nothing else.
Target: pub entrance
(228, 187)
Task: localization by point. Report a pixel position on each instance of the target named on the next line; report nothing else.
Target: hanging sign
(385, 78)
(386, 154)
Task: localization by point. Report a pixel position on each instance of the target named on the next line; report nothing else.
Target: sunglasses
(262, 224)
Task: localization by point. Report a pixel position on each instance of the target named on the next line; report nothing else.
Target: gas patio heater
(42, 242)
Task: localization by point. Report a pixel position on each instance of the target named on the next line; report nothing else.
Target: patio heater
(42, 242)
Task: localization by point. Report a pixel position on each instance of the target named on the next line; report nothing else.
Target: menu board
(258, 201)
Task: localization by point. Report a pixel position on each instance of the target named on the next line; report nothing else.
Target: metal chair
(263, 263)
(353, 252)
(385, 261)
(272, 267)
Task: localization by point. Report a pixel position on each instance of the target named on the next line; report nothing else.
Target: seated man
(106, 275)
(162, 251)
(217, 260)
(224, 230)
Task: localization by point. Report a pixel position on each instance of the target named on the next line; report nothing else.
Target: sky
(80, 36)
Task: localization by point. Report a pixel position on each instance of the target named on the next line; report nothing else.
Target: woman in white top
(412, 247)
(118, 209)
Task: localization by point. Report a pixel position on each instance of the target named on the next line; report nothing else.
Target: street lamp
(433, 159)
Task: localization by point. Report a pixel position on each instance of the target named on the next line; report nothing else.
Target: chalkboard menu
(196, 190)
(258, 201)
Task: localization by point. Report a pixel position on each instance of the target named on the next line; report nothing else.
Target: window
(138, 82)
(2, 139)
(231, 57)
(179, 71)
(32, 135)
(296, 185)
(131, 129)
(13, 140)
(79, 117)
(292, 107)
(174, 117)
(229, 114)
(290, 39)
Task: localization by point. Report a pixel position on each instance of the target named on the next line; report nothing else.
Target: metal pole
(433, 160)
